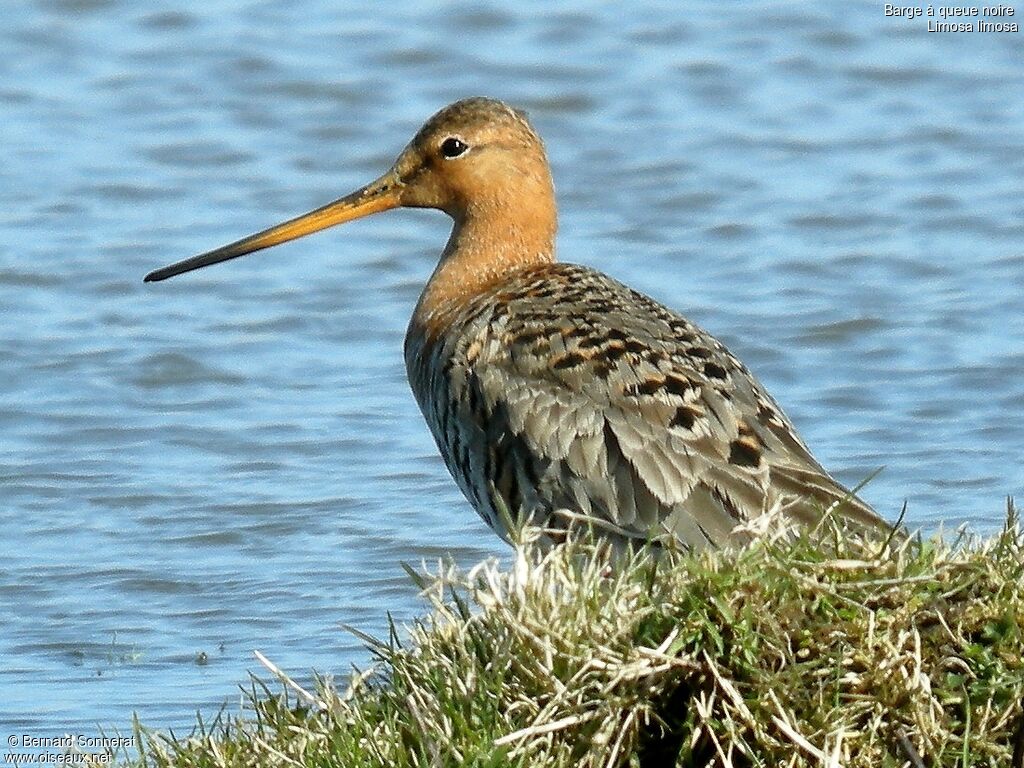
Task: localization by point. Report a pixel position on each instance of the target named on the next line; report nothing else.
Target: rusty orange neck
(490, 241)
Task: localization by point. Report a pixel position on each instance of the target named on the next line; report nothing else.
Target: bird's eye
(453, 147)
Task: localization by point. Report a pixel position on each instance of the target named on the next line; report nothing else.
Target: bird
(558, 396)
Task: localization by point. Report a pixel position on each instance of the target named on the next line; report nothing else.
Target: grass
(826, 650)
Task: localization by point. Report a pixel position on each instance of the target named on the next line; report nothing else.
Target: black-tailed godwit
(555, 393)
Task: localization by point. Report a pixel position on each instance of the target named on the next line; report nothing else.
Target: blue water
(232, 460)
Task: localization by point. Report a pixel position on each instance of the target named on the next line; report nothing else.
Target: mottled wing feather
(607, 404)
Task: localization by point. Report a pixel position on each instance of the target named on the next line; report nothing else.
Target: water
(232, 460)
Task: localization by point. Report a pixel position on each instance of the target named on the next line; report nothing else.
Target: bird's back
(561, 394)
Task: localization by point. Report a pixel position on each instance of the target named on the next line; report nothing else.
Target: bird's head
(475, 158)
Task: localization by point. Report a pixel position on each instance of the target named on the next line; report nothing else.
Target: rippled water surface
(232, 460)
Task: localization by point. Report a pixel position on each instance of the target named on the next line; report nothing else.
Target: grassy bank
(817, 652)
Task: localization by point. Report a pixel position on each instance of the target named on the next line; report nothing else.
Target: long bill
(380, 195)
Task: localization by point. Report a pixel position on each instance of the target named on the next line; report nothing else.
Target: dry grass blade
(305, 695)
